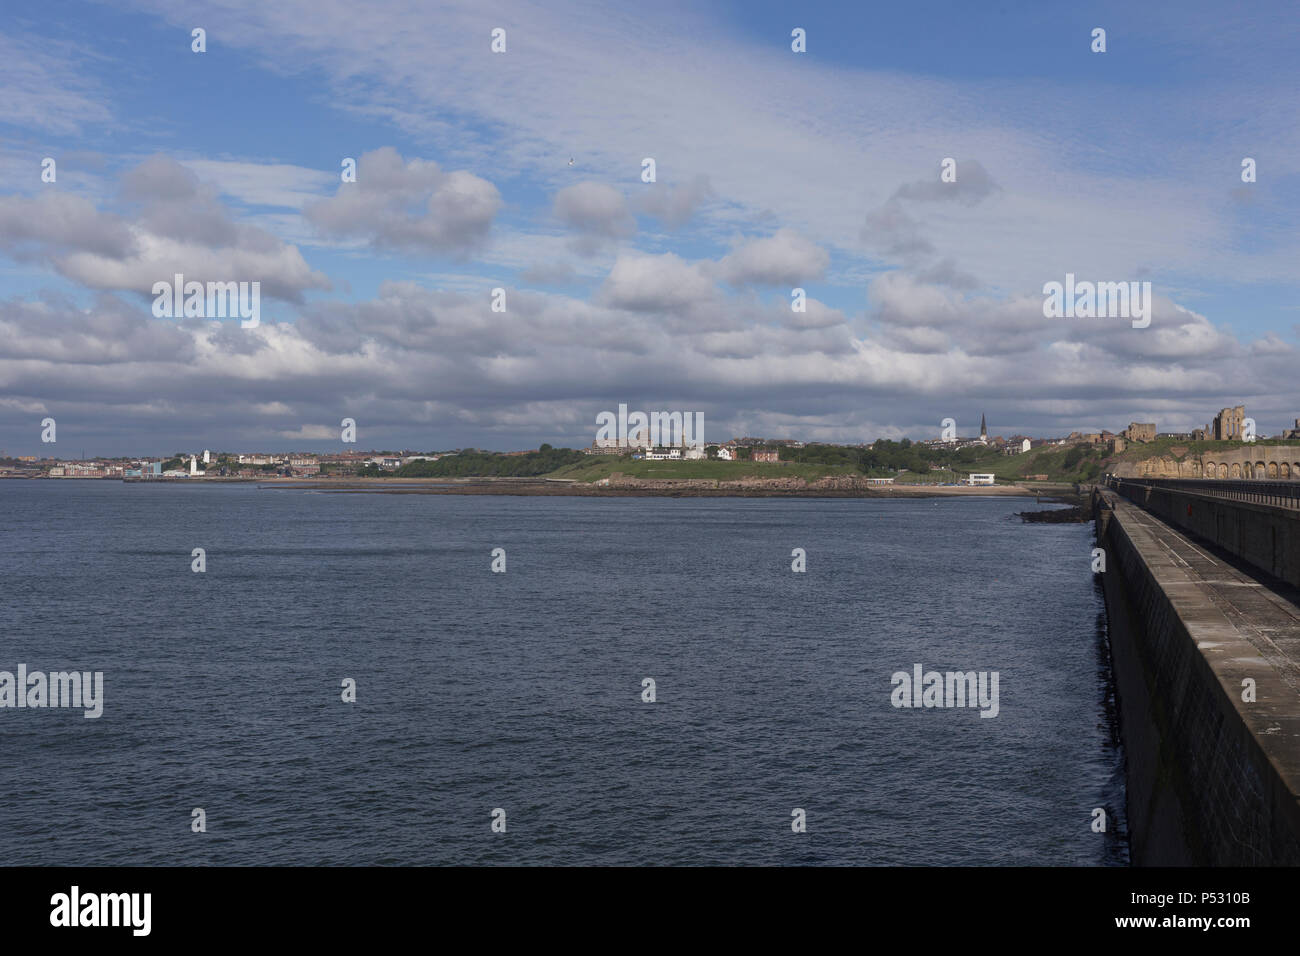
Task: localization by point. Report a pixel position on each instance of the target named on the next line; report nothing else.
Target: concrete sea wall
(1209, 775)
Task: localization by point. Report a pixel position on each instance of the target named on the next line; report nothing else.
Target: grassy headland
(907, 463)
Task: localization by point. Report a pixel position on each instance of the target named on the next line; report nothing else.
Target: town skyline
(1226, 425)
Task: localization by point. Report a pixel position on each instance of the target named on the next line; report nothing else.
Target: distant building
(1228, 424)
(636, 441)
(724, 454)
(1140, 431)
(880, 481)
(1293, 434)
(765, 454)
(979, 479)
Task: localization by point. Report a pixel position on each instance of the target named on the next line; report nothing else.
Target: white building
(664, 454)
(978, 479)
(724, 453)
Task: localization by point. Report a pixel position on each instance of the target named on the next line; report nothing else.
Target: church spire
(984, 428)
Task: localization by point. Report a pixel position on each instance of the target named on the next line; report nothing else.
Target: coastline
(667, 487)
(618, 487)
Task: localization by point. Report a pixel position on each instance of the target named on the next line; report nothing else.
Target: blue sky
(775, 169)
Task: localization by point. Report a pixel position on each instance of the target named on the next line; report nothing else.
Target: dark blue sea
(523, 690)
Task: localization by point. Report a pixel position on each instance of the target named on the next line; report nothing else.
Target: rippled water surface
(523, 690)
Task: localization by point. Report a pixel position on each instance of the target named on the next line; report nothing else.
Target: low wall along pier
(1205, 639)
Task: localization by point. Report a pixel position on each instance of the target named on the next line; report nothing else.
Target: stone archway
(1272, 469)
(1261, 470)
(1223, 470)
(1235, 470)
(1284, 470)
(1210, 470)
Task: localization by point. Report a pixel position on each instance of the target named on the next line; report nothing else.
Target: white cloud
(785, 258)
(595, 209)
(410, 205)
(264, 184)
(648, 283)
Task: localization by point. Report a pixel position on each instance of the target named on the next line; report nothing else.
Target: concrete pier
(1206, 656)
(1264, 532)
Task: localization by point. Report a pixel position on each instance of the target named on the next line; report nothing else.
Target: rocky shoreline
(620, 486)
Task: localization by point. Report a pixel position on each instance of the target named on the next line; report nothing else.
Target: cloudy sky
(522, 170)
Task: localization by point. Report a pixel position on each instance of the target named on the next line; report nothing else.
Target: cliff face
(1165, 467)
(1240, 461)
